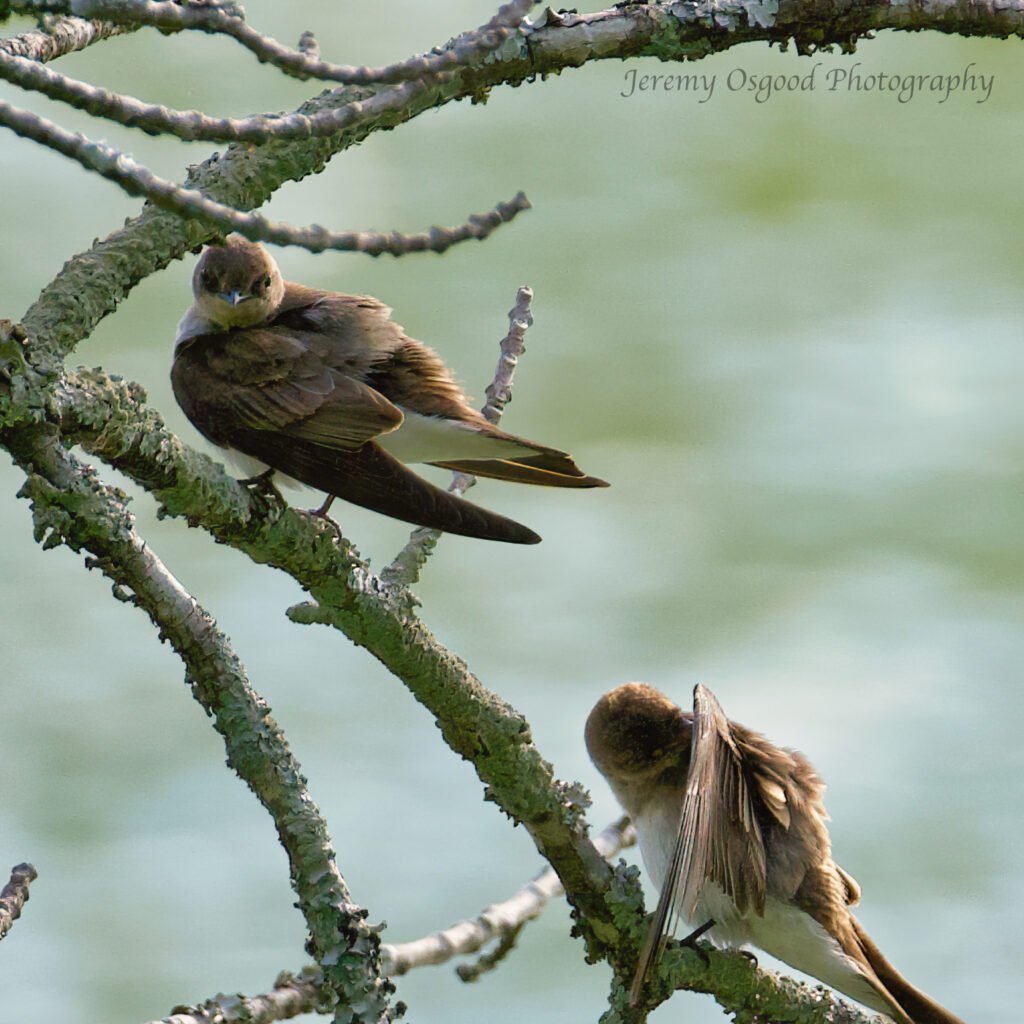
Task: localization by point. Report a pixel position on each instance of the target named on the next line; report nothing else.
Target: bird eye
(266, 281)
(208, 281)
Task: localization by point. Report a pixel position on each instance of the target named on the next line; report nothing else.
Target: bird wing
(372, 347)
(719, 838)
(378, 353)
(273, 379)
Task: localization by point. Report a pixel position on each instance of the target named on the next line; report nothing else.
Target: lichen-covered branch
(71, 506)
(14, 895)
(106, 417)
(291, 996)
(193, 125)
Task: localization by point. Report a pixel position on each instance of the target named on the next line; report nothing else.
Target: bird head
(237, 284)
(635, 733)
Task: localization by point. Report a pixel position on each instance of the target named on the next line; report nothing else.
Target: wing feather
(719, 838)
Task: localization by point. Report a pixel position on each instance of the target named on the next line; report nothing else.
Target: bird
(326, 389)
(732, 832)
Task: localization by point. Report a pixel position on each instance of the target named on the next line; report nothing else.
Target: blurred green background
(789, 334)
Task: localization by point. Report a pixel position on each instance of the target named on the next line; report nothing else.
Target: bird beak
(233, 298)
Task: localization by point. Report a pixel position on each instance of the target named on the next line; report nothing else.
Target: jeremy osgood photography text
(938, 87)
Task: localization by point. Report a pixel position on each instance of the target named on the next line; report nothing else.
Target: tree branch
(303, 993)
(291, 996)
(71, 506)
(228, 19)
(39, 409)
(91, 285)
(139, 181)
(63, 36)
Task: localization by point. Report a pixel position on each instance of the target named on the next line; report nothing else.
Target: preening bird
(327, 389)
(732, 832)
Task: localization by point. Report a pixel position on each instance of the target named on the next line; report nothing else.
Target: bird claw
(750, 956)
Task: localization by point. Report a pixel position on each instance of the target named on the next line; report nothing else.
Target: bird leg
(691, 941)
(321, 512)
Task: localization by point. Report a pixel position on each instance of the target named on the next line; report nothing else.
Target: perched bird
(325, 388)
(732, 832)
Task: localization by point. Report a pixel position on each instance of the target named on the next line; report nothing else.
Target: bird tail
(370, 477)
(384, 484)
(918, 1007)
(548, 468)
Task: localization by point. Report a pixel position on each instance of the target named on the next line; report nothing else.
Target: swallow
(326, 389)
(732, 832)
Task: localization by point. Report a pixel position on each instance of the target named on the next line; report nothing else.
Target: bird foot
(259, 479)
(750, 956)
(263, 483)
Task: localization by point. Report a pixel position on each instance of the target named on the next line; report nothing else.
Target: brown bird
(325, 388)
(732, 831)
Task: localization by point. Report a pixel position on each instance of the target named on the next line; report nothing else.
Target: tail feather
(546, 469)
(918, 1007)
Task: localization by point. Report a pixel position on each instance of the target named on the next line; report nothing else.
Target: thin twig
(497, 920)
(14, 895)
(156, 119)
(224, 20)
(487, 962)
(139, 181)
(407, 565)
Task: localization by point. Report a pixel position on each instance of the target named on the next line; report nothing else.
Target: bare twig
(499, 391)
(487, 962)
(14, 895)
(190, 125)
(219, 19)
(497, 920)
(138, 180)
(407, 565)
